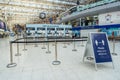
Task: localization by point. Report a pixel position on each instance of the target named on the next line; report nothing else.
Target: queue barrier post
(48, 50)
(113, 41)
(64, 45)
(36, 43)
(24, 36)
(56, 62)
(43, 47)
(74, 49)
(82, 43)
(11, 64)
(17, 54)
(113, 52)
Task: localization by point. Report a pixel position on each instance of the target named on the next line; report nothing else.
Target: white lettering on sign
(101, 48)
(102, 54)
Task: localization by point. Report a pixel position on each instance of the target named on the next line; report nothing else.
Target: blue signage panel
(97, 27)
(101, 47)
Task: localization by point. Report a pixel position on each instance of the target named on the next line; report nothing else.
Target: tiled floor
(35, 64)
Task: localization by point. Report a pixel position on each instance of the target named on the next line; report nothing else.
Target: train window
(30, 28)
(48, 28)
(40, 28)
(60, 28)
(51, 29)
(68, 29)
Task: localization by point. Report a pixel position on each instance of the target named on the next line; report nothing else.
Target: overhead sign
(109, 18)
(100, 47)
(48, 25)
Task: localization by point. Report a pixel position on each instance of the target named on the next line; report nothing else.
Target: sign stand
(17, 54)
(98, 47)
(11, 64)
(56, 62)
(74, 45)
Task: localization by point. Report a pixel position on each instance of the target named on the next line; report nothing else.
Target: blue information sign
(101, 47)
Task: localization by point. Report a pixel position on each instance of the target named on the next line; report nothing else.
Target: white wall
(84, 33)
(109, 18)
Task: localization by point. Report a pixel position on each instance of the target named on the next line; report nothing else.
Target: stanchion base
(74, 50)
(53, 44)
(18, 54)
(82, 45)
(56, 62)
(43, 47)
(64, 46)
(114, 54)
(90, 58)
(24, 49)
(68, 43)
(48, 51)
(11, 65)
(36, 45)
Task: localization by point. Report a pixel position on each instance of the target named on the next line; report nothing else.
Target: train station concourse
(59, 39)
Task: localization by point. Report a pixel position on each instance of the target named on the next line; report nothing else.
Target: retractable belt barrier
(55, 40)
